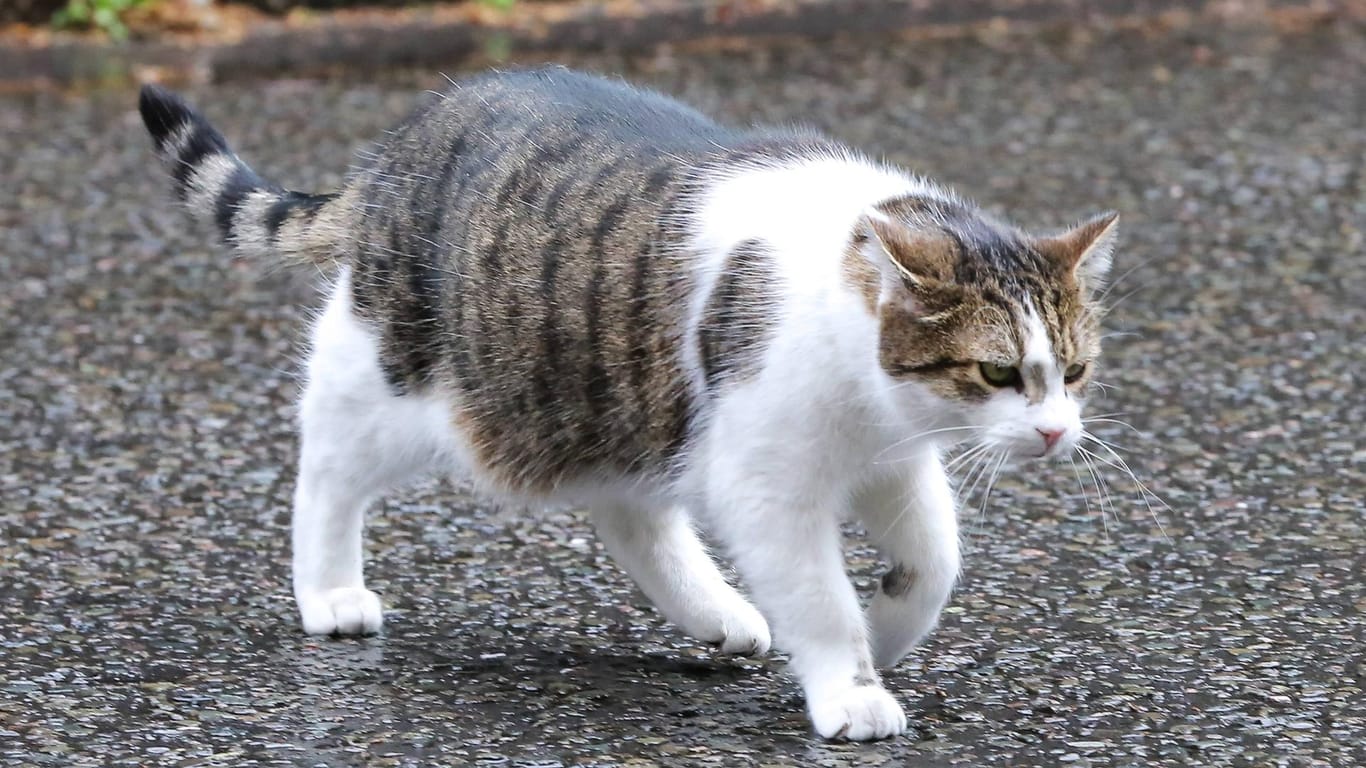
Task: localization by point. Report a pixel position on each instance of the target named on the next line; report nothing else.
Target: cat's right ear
(914, 266)
(1085, 250)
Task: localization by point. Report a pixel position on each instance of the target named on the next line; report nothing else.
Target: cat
(571, 290)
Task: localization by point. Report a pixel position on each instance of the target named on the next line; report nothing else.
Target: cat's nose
(1050, 437)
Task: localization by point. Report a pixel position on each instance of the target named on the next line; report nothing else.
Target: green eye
(1000, 375)
(1074, 372)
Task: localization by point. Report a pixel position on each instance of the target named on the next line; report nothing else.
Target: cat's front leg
(911, 518)
(787, 549)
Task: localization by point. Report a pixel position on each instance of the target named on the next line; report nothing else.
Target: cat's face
(998, 328)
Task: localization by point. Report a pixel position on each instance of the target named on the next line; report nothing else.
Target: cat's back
(548, 119)
(574, 108)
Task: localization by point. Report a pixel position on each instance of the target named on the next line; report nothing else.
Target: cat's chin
(1017, 456)
(1033, 456)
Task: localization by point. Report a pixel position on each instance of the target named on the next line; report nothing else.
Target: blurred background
(66, 41)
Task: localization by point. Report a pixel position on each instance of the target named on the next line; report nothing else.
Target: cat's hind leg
(358, 438)
(911, 518)
(661, 551)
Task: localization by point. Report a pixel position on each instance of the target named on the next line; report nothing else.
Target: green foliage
(502, 5)
(106, 15)
(498, 47)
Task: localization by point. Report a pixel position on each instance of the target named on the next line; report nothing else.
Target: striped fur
(537, 267)
(257, 218)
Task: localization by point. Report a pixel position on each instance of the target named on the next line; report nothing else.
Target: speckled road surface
(146, 447)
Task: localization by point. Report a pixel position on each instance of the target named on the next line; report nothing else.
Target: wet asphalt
(146, 447)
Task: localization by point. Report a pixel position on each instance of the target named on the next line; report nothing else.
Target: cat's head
(999, 329)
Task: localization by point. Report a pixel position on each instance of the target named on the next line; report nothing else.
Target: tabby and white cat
(575, 291)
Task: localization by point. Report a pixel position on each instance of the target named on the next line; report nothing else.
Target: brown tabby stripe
(740, 315)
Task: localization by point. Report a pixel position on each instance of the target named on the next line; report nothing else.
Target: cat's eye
(1074, 371)
(1000, 375)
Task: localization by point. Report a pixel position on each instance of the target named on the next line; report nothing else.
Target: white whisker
(958, 460)
(920, 435)
(1086, 498)
(1105, 294)
(975, 470)
(1103, 495)
(1104, 386)
(991, 483)
(1125, 424)
(1119, 463)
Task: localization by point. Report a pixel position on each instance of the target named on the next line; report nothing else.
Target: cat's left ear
(915, 267)
(1085, 250)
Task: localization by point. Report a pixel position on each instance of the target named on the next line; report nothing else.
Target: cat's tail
(257, 218)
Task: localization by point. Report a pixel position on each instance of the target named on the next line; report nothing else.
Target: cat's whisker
(1118, 462)
(991, 464)
(1111, 306)
(965, 487)
(969, 460)
(870, 394)
(1145, 493)
(1112, 448)
(1114, 283)
(1104, 496)
(977, 472)
(980, 520)
(919, 436)
(1125, 424)
(1104, 387)
(991, 483)
(893, 525)
(958, 460)
(1086, 498)
(960, 489)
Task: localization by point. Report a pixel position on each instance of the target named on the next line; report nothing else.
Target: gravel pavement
(146, 446)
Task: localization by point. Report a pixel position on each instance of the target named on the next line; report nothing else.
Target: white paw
(860, 713)
(743, 631)
(342, 611)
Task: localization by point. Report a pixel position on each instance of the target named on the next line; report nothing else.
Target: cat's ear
(1085, 250)
(914, 265)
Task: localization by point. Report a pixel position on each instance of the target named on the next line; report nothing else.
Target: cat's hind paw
(342, 611)
(860, 713)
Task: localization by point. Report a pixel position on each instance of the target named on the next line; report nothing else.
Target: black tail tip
(163, 112)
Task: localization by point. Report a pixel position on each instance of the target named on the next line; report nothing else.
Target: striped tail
(254, 216)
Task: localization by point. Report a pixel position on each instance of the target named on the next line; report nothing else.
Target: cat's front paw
(859, 713)
(342, 611)
(743, 631)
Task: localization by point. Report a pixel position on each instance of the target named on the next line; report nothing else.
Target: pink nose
(1050, 437)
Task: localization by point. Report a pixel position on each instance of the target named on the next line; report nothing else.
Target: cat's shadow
(556, 684)
(535, 655)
